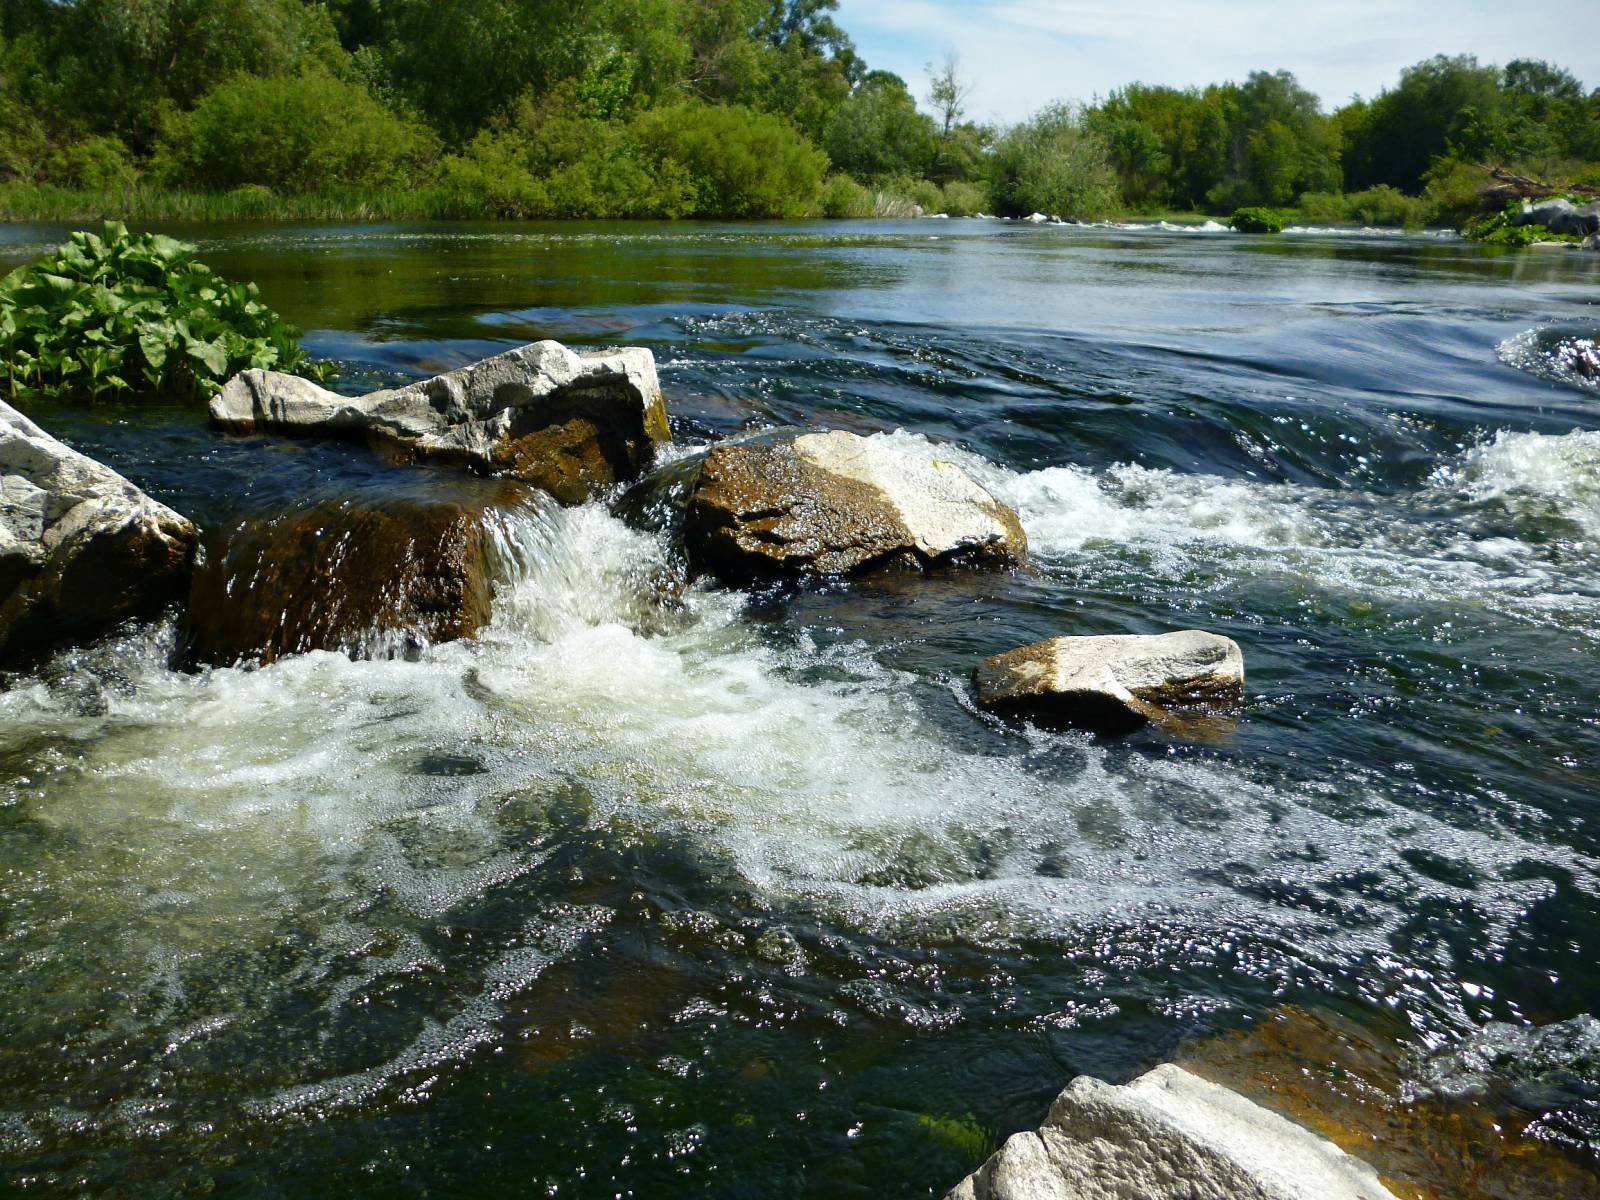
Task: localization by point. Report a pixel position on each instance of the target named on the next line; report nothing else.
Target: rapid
(661, 888)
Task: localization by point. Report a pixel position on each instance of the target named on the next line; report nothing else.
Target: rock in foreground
(572, 424)
(81, 548)
(836, 503)
(1168, 1135)
(1115, 683)
(365, 578)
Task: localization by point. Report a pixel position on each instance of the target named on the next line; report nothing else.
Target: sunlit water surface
(661, 891)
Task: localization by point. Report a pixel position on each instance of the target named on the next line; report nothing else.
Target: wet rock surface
(570, 423)
(1561, 216)
(1168, 1135)
(1505, 1114)
(369, 578)
(836, 503)
(81, 548)
(1113, 683)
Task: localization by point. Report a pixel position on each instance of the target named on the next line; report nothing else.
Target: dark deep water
(738, 896)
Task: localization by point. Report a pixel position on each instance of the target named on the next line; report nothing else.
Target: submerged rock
(835, 503)
(1561, 216)
(1114, 683)
(1506, 1112)
(364, 578)
(1168, 1135)
(572, 424)
(81, 548)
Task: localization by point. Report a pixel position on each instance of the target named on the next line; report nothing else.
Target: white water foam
(1346, 542)
(228, 805)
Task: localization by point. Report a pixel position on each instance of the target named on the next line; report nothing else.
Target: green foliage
(1497, 229)
(1053, 164)
(650, 108)
(740, 163)
(115, 313)
(962, 199)
(295, 133)
(843, 197)
(1257, 220)
(878, 134)
(1380, 206)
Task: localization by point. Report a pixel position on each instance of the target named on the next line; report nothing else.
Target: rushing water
(654, 891)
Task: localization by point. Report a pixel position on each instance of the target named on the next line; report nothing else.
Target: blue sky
(1020, 54)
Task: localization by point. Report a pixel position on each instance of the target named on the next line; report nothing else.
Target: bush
(741, 163)
(294, 134)
(1053, 164)
(962, 199)
(117, 313)
(926, 195)
(96, 164)
(843, 197)
(1257, 220)
(1381, 205)
(556, 160)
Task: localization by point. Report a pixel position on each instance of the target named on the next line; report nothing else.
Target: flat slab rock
(1112, 683)
(570, 423)
(1168, 1135)
(81, 548)
(836, 503)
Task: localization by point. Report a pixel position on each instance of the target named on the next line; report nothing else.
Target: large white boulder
(1168, 1135)
(1112, 683)
(81, 548)
(834, 503)
(570, 423)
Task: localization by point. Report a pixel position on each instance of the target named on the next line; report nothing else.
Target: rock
(1561, 216)
(835, 503)
(572, 424)
(366, 578)
(1112, 684)
(1498, 1113)
(1168, 1135)
(81, 548)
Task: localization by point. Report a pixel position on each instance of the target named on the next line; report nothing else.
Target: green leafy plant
(1257, 220)
(113, 313)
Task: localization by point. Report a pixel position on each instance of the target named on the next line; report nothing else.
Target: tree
(878, 133)
(948, 93)
(1054, 164)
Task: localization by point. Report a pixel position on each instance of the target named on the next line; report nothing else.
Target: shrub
(843, 197)
(962, 199)
(1053, 164)
(294, 134)
(1257, 220)
(740, 163)
(111, 312)
(556, 160)
(927, 195)
(96, 164)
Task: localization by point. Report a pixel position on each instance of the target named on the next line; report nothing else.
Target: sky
(1021, 54)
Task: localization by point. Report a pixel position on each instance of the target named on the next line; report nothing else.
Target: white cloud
(1020, 54)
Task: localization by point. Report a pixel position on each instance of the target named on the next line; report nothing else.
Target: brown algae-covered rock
(836, 503)
(365, 578)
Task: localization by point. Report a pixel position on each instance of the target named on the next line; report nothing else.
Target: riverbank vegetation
(351, 109)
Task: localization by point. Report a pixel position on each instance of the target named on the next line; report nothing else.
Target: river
(655, 893)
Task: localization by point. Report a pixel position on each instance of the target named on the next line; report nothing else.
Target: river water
(658, 893)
